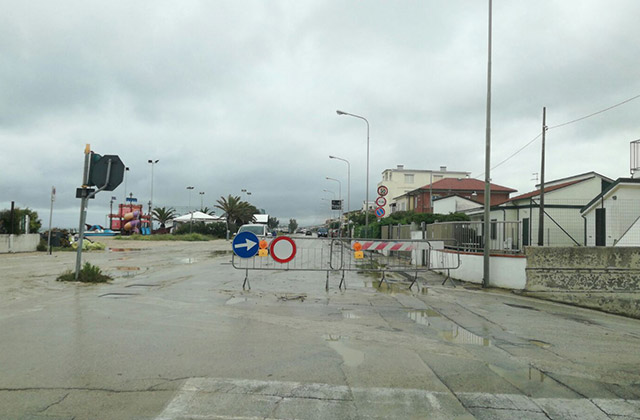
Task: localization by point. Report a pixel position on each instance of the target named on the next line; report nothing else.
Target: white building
(400, 181)
(564, 200)
(612, 217)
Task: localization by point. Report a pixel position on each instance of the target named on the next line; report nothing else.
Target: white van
(257, 229)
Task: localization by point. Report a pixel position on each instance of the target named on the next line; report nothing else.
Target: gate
(342, 255)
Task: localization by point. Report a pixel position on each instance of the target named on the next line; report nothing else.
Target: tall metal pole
(153, 163)
(348, 189)
(366, 206)
(83, 208)
(487, 169)
(53, 198)
(126, 170)
(541, 210)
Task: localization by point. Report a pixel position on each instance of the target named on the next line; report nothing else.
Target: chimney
(400, 167)
(443, 169)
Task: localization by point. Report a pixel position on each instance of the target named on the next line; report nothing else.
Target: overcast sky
(232, 95)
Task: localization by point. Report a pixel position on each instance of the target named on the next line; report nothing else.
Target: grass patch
(88, 274)
(189, 237)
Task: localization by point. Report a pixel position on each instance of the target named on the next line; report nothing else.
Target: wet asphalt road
(174, 336)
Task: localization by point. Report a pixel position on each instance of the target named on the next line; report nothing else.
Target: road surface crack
(55, 402)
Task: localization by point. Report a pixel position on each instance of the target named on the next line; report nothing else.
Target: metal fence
(342, 255)
(504, 237)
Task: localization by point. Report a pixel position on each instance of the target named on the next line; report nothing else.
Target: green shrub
(42, 246)
(88, 274)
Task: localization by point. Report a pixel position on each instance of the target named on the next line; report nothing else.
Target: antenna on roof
(535, 174)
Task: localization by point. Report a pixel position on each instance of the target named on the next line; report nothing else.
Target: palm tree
(236, 211)
(208, 211)
(163, 214)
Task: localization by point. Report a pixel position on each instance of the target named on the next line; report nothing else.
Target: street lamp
(348, 185)
(191, 221)
(339, 199)
(201, 200)
(152, 162)
(366, 214)
(190, 188)
(126, 170)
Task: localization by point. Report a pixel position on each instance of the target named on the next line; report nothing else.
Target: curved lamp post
(366, 206)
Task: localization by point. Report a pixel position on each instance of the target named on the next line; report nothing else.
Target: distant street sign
(381, 201)
(245, 244)
(382, 190)
(380, 212)
(336, 204)
(283, 249)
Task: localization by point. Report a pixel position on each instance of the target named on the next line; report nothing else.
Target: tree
(293, 225)
(208, 211)
(18, 217)
(273, 223)
(236, 211)
(163, 214)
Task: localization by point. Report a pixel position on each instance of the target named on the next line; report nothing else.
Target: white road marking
(221, 399)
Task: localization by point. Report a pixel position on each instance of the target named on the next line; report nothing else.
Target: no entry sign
(283, 249)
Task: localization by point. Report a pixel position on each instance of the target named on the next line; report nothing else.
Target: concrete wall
(19, 243)
(604, 278)
(507, 272)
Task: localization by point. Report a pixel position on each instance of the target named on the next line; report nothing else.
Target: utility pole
(541, 210)
(487, 169)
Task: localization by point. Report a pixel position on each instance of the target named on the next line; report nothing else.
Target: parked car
(257, 229)
(323, 232)
(308, 232)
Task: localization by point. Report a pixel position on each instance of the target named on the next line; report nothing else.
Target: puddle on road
(540, 343)
(394, 288)
(142, 285)
(235, 300)
(447, 329)
(187, 260)
(350, 356)
(128, 268)
(220, 253)
(118, 295)
(349, 315)
(521, 377)
(125, 249)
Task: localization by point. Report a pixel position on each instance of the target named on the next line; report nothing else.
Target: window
(408, 178)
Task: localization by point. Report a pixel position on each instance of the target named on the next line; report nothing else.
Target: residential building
(564, 198)
(453, 203)
(400, 181)
(612, 217)
(421, 199)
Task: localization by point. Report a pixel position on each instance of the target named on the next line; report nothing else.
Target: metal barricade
(343, 255)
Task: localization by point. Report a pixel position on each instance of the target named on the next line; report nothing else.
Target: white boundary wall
(19, 243)
(507, 272)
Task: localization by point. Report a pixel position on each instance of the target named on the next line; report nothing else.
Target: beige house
(400, 181)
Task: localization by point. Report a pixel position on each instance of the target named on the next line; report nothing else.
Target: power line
(561, 125)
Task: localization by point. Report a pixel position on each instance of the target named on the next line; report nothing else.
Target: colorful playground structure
(131, 219)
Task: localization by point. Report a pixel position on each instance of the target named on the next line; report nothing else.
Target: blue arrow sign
(245, 244)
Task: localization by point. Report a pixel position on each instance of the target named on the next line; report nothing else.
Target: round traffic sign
(283, 249)
(381, 201)
(245, 244)
(382, 190)
(379, 212)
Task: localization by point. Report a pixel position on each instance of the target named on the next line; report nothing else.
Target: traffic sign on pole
(381, 201)
(283, 249)
(382, 190)
(245, 244)
(380, 212)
